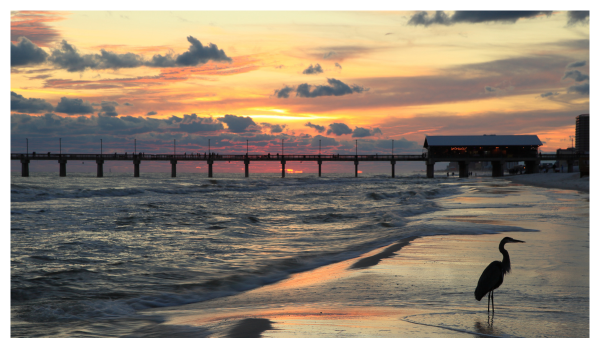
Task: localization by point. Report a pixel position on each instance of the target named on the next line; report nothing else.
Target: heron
(493, 276)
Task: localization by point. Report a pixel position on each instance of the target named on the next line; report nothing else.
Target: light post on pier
(281, 147)
(246, 147)
(319, 147)
(26, 139)
(356, 147)
(134, 146)
(208, 147)
(392, 148)
(572, 138)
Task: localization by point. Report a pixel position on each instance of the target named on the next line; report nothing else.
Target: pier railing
(215, 157)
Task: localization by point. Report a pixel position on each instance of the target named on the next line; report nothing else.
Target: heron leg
(492, 301)
(489, 302)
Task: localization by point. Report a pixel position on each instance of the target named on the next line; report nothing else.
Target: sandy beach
(423, 286)
(569, 181)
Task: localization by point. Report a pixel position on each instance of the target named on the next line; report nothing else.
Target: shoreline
(423, 286)
(567, 181)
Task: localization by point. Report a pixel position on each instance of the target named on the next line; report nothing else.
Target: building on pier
(497, 149)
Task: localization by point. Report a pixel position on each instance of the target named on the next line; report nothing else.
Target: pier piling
(99, 168)
(63, 168)
(355, 168)
(246, 163)
(283, 168)
(463, 169)
(430, 169)
(136, 167)
(173, 168)
(24, 167)
(497, 168)
(320, 162)
(393, 168)
(210, 164)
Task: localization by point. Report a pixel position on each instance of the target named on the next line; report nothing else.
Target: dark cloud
(336, 88)
(338, 65)
(548, 94)
(575, 17)
(109, 107)
(127, 104)
(196, 54)
(313, 70)
(441, 18)
(364, 132)
(131, 119)
(173, 119)
(237, 124)
(325, 141)
(583, 89)
(576, 64)
(339, 129)
(73, 106)
(201, 54)
(317, 127)
(115, 61)
(284, 92)
(489, 89)
(192, 124)
(150, 113)
(20, 104)
(487, 16)
(276, 128)
(67, 57)
(25, 53)
(576, 75)
(110, 114)
(194, 127)
(423, 18)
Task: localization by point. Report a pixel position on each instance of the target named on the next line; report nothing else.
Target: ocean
(89, 254)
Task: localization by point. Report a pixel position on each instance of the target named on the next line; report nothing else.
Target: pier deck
(137, 158)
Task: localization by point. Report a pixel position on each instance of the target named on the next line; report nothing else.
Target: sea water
(87, 253)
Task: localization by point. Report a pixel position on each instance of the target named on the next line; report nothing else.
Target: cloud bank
(441, 18)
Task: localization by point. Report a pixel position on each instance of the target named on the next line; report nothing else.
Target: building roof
(482, 140)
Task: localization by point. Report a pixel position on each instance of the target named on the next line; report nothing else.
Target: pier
(137, 159)
(497, 150)
(497, 160)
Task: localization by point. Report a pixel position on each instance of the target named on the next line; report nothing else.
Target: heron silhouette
(493, 276)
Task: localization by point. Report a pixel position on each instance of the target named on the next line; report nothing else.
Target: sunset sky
(301, 76)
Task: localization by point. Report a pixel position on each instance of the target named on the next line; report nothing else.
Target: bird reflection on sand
(487, 328)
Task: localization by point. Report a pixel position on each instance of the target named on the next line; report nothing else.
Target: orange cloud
(32, 24)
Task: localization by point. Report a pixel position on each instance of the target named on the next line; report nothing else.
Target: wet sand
(570, 181)
(421, 286)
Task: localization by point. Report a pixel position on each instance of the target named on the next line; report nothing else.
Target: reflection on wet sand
(487, 328)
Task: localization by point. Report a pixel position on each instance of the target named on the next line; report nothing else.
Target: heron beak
(517, 241)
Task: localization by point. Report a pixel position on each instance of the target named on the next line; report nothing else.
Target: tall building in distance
(582, 133)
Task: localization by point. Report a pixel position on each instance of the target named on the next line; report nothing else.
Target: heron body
(493, 276)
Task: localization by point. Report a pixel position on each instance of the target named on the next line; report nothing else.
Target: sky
(149, 79)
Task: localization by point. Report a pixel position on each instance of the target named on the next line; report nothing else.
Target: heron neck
(505, 259)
